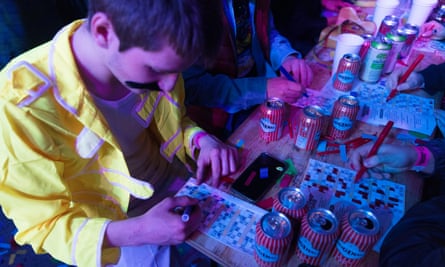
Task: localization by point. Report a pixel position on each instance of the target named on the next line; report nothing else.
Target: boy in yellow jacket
(93, 121)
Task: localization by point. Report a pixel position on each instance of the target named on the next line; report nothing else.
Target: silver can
(273, 235)
(410, 31)
(389, 24)
(375, 59)
(291, 201)
(319, 231)
(360, 230)
(398, 41)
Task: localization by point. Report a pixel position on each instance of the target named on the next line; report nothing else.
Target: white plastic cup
(420, 11)
(347, 43)
(384, 8)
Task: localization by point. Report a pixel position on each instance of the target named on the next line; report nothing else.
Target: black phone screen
(259, 177)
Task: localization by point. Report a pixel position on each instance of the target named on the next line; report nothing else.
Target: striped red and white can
(318, 233)
(272, 119)
(291, 201)
(343, 117)
(360, 232)
(347, 71)
(273, 235)
(310, 128)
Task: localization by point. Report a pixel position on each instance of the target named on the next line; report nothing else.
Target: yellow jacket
(63, 176)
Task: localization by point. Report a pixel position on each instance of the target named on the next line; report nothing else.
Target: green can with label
(375, 59)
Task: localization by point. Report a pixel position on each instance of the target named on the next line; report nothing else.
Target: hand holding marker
(185, 212)
(290, 78)
(405, 76)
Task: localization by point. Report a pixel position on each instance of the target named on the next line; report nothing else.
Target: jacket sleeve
(434, 77)
(35, 195)
(221, 91)
(418, 238)
(280, 47)
(437, 148)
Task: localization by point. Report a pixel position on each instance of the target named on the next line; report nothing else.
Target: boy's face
(141, 70)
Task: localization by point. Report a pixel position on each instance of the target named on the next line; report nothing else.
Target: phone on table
(259, 177)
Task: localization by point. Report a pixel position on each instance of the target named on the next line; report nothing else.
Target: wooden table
(253, 145)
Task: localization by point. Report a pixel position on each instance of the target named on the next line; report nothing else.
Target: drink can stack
(272, 119)
(273, 235)
(291, 201)
(318, 233)
(343, 117)
(310, 127)
(347, 71)
(360, 232)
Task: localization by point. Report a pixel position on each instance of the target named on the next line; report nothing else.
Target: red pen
(375, 148)
(405, 76)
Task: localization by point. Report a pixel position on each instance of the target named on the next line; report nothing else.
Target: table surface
(253, 145)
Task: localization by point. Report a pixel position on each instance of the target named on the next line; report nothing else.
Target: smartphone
(259, 177)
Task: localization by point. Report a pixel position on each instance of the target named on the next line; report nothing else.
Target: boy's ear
(102, 30)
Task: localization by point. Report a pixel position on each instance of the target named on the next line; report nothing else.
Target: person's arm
(35, 191)
(282, 54)
(214, 159)
(160, 225)
(392, 158)
(437, 149)
(280, 47)
(434, 78)
(221, 91)
(431, 80)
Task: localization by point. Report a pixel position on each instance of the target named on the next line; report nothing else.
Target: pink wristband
(198, 136)
(423, 158)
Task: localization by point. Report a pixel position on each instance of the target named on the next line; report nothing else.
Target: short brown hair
(192, 27)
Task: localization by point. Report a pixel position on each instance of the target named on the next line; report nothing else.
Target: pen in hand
(290, 78)
(375, 148)
(185, 217)
(405, 76)
(185, 212)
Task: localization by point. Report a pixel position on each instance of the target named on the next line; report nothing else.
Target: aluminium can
(398, 41)
(291, 201)
(366, 44)
(410, 31)
(272, 119)
(318, 233)
(372, 66)
(273, 235)
(347, 71)
(389, 24)
(310, 128)
(343, 117)
(360, 232)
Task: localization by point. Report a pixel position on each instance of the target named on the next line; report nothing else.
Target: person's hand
(164, 223)
(299, 70)
(414, 81)
(286, 90)
(160, 225)
(432, 29)
(440, 119)
(215, 160)
(389, 158)
(336, 5)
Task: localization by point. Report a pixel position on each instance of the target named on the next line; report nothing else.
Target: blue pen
(290, 78)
